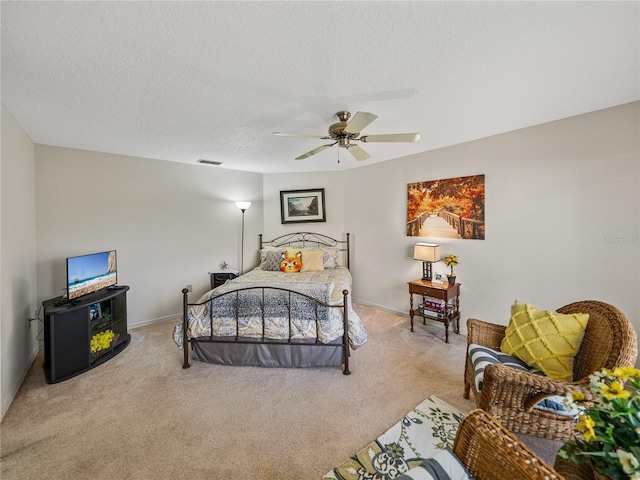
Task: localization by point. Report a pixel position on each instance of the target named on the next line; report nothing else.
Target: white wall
(18, 341)
(562, 223)
(333, 184)
(170, 223)
(562, 218)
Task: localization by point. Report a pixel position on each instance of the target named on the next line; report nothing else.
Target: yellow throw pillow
(292, 252)
(312, 261)
(545, 339)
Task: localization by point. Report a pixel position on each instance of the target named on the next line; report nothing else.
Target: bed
(267, 317)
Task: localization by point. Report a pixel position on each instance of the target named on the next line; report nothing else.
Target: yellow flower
(616, 390)
(624, 373)
(451, 260)
(616, 398)
(101, 341)
(585, 424)
(629, 372)
(577, 396)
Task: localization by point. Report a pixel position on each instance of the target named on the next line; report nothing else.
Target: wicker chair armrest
(491, 452)
(484, 333)
(523, 390)
(573, 471)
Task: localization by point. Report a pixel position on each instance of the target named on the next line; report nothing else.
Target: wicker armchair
(573, 471)
(510, 395)
(490, 452)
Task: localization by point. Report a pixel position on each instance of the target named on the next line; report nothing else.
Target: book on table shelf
(437, 307)
(435, 313)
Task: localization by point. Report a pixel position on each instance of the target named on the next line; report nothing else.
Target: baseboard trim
(167, 318)
(381, 307)
(7, 399)
(436, 324)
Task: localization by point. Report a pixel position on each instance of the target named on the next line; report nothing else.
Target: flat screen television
(89, 273)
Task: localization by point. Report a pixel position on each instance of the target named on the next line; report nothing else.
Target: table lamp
(428, 253)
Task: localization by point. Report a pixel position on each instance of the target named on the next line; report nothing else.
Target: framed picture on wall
(300, 206)
(446, 208)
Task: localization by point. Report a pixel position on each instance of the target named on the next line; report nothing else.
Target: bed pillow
(292, 252)
(545, 339)
(330, 257)
(263, 252)
(312, 261)
(271, 260)
(444, 465)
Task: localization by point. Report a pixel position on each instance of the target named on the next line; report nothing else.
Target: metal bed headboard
(303, 239)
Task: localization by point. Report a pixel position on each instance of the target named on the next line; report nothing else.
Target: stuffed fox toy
(291, 264)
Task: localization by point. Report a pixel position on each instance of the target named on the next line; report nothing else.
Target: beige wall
(18, 259)
(562, 217)
(562, 223)
(170, 223)
(333, 184)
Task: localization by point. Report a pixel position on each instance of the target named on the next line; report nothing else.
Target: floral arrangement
(609, 426)
(101, 341)
(451, 261)
(224, 265)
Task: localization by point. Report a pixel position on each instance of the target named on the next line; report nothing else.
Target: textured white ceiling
(181, 81)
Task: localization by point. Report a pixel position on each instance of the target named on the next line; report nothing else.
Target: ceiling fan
(345, 132)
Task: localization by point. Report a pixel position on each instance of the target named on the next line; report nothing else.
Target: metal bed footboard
(237, 339)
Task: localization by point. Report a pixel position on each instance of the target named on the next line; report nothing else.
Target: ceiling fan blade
(284, 134)
(315, 150)
(357, 152)
(391, 137)
(359, 122)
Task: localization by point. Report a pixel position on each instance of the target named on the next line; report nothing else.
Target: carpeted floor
(140, 416)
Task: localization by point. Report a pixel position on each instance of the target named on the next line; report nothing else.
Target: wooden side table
(446, 294)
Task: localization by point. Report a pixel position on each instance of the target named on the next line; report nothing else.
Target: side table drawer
(429, 292)
(219, 278)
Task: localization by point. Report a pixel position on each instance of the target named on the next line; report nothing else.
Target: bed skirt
(273, 354)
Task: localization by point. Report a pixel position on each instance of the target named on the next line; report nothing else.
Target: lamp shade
(427, 252)
(243, 205)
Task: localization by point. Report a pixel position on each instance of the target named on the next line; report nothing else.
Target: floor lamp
(242, 206)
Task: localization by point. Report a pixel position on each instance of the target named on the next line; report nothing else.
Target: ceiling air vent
(209, 162)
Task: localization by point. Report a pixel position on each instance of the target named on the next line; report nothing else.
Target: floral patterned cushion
(428, 428)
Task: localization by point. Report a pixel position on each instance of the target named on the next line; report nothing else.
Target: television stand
(82, 333)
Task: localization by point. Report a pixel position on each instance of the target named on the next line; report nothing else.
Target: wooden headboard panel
(309, 239)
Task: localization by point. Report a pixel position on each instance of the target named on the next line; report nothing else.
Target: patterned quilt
(429, 427)
(325, 286)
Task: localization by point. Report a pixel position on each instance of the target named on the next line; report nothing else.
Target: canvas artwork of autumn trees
(449, 208)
